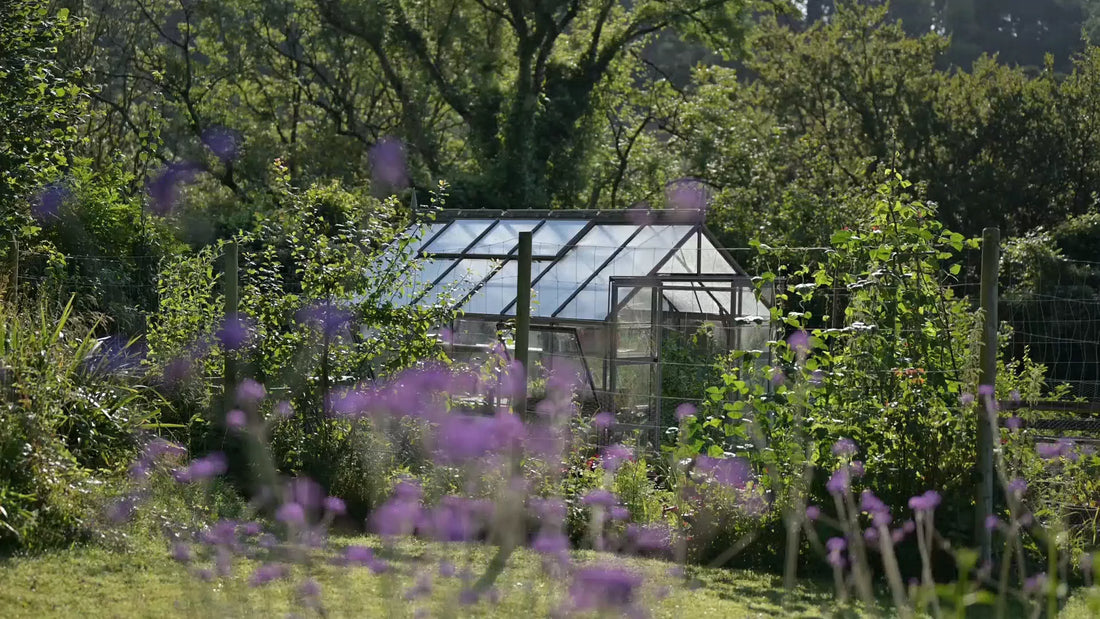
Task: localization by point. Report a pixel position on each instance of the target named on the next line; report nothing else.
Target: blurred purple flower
(233, 333)
(446, 569)
(992, 522)
(603, 420)
(614, 456)
(550, 542)
(839, 482)
(222, 142)
(250, 392)
(684, 411)
(731, 472)
(1014, 395)
(396, 517)
(908, 526)
(618, 512)
(599, 497)
(871, 504)
(1014, 423)
(799, 342)
(421, 587)
(309, 588)
(845, 447)
(966, 399)
(467, 597)
(265, 574)
(604, 588)
(836, 546)
(1036, 583)
(283, 409)
(181, 553)
(163, 188)
(870, 535)
(291, 514)
(925, 502)
(813, 512)
(688, 195)
(985, 390)
(305, 492)
(388, 167)
(328, 318)
(210, 466)
(551, 511)
(250, 529)
(48, 203)
(335, 506)
(650, 538)
(236, 419)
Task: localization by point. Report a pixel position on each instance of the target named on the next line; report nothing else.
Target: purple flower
(446, 569)
(985, 390)
(650, 538)
(420, 588)
(284, 409)
(603, 420)
(689, 196)
(358, 555)
(1035, 583)
(614, 456)
(604, 588)
(309, 588)
(966, 399)
(925, 502)
(799, 342)
(992, 522)
(871, 504)
(181, 553)
(335, 505)
(388, 167)
(250, 392)
(856, 469)
(49, 201)
(1014, 395)
(1017, 487)
(1014, 423)
(291, 514)
(685, 411)
(250, 529)
(550, 542)
(396, 517)
(552, 511)
(206, 468)
(222, 142)
(813, 512)
(305, 492)
(266, 573)
(730, 472)
(845, 447)
(236, 419)
(329, 318)
(619, 512)
(233, 333)
(836, 546)
(599, 497)
(163, 188)
(870, 534)
(839, 482)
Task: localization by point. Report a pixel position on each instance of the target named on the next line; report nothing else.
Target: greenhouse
(613, 295)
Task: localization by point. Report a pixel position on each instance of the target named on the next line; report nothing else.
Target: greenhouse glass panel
(500, 290)
(504, 237)
(566, 275)
(456, 238)
(419, 282)
(457, 283)
(641, 255)
(554, 235)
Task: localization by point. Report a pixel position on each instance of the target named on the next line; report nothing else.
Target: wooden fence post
(987, 414)
(14, 296)
(523, 318)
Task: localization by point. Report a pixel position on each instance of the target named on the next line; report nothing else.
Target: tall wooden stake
(232, 305)
(523, 317)
(991, 239)
(15, 272)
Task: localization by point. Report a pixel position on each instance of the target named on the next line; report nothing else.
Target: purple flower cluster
(729, 472)
(202, 469)
(604, 588)
(926, 502)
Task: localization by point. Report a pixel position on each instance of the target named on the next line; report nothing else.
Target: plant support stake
(987, 421)
(523, 318)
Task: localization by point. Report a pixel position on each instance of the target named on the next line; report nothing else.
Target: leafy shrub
(68, 421)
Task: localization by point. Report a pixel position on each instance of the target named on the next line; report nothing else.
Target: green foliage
(68, 421)
(886, 365)
(39, 105)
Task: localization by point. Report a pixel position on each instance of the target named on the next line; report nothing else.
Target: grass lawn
(144, 582)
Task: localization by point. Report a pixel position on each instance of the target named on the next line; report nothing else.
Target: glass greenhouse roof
(470, 259)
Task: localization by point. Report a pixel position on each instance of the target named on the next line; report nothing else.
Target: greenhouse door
(633, 368)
